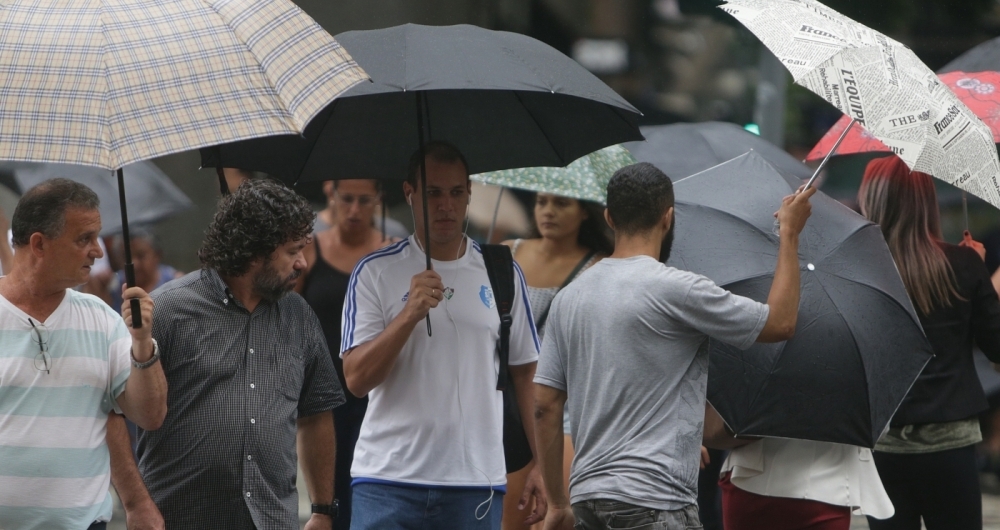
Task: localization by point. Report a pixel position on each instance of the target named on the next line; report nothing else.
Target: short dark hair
(638, 196)
(43, 208)
(438, 151)
(252, 222)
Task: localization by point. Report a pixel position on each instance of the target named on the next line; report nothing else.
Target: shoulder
(178, 289)
(91, 304)
(958, 255)
(384, 256)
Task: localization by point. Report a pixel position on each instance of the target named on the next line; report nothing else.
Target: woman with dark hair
(570, 235)
(329, 262)
(927, 459)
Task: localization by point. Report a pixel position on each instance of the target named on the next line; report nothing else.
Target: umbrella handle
(830, 154)
(127, 243)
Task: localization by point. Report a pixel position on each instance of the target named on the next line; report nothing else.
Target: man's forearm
(144, 400)
(124, 472)
(548, 415)
(783, 299)
(368, 365)
(317, 455)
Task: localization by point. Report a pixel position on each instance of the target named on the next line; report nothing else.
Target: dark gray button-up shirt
(225, 457)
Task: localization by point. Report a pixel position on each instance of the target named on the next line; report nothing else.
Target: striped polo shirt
(54, 462)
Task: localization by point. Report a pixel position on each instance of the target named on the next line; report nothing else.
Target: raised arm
(368, 365)
(783, 299)
(144, 400)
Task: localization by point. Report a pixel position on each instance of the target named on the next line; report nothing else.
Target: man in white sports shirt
(430, 453)
(67, 361)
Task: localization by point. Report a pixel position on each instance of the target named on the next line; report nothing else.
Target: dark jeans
(611, 515)
(98, 526)
(347, 420)
(942, 487)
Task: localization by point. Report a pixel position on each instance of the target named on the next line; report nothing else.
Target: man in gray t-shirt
(628, 339)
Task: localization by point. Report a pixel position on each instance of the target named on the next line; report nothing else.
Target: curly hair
(252, 222)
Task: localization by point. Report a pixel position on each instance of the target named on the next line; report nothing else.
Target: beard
(668, 242)
(270, 286)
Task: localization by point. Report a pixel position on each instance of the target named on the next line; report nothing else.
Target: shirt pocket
(286, 362)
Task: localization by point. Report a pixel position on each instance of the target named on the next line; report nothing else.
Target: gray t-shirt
(628, 342)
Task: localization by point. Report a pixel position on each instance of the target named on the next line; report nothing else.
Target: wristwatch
(333, 510)
(153, 359)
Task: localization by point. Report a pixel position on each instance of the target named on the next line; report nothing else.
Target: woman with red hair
(927, 459)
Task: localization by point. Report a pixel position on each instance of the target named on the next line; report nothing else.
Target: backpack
(500, 268)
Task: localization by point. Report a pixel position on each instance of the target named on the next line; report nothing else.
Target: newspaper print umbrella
(586, 178)
(110, 82)
(979, 91)
(881, 85)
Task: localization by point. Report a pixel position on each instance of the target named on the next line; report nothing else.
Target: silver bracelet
(153, 359)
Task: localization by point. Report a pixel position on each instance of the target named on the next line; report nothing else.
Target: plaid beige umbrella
(109, 82)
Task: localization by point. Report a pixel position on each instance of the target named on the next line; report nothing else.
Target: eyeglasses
(362, 200)
(42, 360)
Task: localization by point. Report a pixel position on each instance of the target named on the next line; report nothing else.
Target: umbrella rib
(540, 129)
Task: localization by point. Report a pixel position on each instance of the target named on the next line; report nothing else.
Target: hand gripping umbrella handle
(127, 243)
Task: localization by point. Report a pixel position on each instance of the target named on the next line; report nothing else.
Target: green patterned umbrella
(586, 178)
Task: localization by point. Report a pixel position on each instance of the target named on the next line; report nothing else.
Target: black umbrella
(504, 100)
(858, 346)
(683, 149)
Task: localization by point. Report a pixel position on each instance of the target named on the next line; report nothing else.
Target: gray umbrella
(150, 194)
(858, 346)
(983, 58)
(683, 149)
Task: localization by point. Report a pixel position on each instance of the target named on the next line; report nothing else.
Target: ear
(668, 218)
(408, 192)
(37, 244)
(607, 219)
(328, 189)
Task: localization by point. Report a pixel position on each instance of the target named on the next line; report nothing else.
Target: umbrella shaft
(830, 154)
(127, 244)
(423, 188)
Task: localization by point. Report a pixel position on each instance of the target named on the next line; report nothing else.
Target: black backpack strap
(500, 268)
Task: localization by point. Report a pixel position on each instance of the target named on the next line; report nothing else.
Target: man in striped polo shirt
(65, 364)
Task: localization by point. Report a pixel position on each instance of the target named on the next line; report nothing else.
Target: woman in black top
(330, 261)
(927, 459)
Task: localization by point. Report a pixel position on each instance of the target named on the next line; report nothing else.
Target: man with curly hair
(249, 374)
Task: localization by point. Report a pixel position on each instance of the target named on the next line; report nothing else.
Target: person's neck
(450, 251)
(550, 248)
(326, 215)
(32, 293)
(241, 287)
(354, 238)
(630, 246)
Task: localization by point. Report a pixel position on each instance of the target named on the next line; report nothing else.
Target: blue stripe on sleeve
(351, 305)
(527, 306)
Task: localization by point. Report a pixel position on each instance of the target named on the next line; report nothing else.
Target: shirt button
(248, 494)
(251, 385)
(249, 457)
(251, 350)
(226, 301)
(253, 420)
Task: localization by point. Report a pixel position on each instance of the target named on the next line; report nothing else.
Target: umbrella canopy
(881, 85)
(683, 149)
(858, 345)
(978, 91)
(983, 57)
(109, 83)
(148, 190)
(505, 100)
(586, 178)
